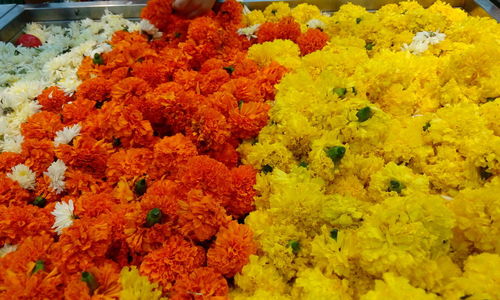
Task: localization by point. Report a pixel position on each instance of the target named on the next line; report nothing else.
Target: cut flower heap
(137, 170)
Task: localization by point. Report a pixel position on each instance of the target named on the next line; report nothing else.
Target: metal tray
(13, 18)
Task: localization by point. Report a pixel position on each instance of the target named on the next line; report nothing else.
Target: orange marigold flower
(127, 164)
(231, 249)
(200, 216)
(226, 154)
(208, 175)
(248, 120)
(130, 91)
(86, 154)
(53, 98)
(312, 40)
(88, 69)
(41, 285)
(44, 190)
(170, 153)
(269, 77)
(154, 72)
(247, 90)
(77, 111)
(20, 222)
(212, 64)
(158, 12)
(107, 277)
(213, 80)
(119, 74)
(95, 89)
(177, 257)
(78, 182)
(230, 15)
(92, 205)
(245, 68)
(285, 29)
(38, 154)
(244, 178)
(83, 244)
(223, 102)
(11, 193)
(205, 30)
(9, 160)
(208, 129)
(188, 79)
(42, 125)
(202, 283)
(142, 239)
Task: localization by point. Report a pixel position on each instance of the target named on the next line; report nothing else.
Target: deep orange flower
(269, 77)
(170, 153)
(9, 160)
(231, 249)
(248, 120)
(130, 90)
(285, 29)
(107, 277)
(82, 245)
(77, 111)
(92, 205)
(200, 216)
(188, 79)
(158, 12)
(212, 64)
(52, 99)
(95, 89)
(202, 283)
(226, 154)
(127, 164)
(244, 178)
(245, 68)
(177, 257)
(38, 154)
(88, 69)
(43, 189)
(78, 182)
(154, 72)
(223, 102)
(42, 125)
(312, 40)
(20, 222)
(11, 193)
(205, 30)
(141, 239)
(86, 154)
(208, 175)
(213, 80)
(42, 285)
(209, 129)
(230, 15)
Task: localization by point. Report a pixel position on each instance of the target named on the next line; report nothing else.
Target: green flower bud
(267, 169)
(141, 187)
(153, 217)
(395, 186)
(426, 126)
(340, 92)
(98, 60)
(364, 114)
(335, 153)
(229, 69)
(303, 164)
(369, 46)
(358, 20)
(39, 201)
(90, 280)
(295, 245)
(39, 266)
(334, 234)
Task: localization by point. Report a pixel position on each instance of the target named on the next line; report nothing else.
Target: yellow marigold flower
(260, 274)
(277, 10)
(397, 288)
(284, 52)
(304, 12)
(258, 295)
(475, 211)
(255, 17)
(136, 287)
(311, 284)
(480, 279)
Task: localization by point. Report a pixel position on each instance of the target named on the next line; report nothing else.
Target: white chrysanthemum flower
(249, 31)
(13, 144)
(63, 213)
(67, 134)
(422, 40)
(6, 249)
(315, 23)
(24, 176)
(448, 198)
(150, 29)
(56, 174)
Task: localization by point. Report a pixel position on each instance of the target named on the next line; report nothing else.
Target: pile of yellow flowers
(380, 162)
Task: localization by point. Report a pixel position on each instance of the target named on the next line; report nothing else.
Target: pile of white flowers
(422, 40)
(26, 72)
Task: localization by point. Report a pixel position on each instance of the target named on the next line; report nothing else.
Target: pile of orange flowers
(153, 173)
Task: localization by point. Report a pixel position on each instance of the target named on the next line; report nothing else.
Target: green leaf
(90, 280)
(395, 186)
(40, 201)
(229, 69)
(98, 60)
(334, 234)
(295, 245)
(358, 20)
(39, 266)
(267, 169)
(153, 217)
(369, 46)
(340, 91)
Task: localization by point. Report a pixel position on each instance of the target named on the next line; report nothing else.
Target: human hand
(192, 8)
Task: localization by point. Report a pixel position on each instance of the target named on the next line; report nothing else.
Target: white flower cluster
(422, 40)
(56, 173)
(25, 72)
(250, 31)
(64, 216)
